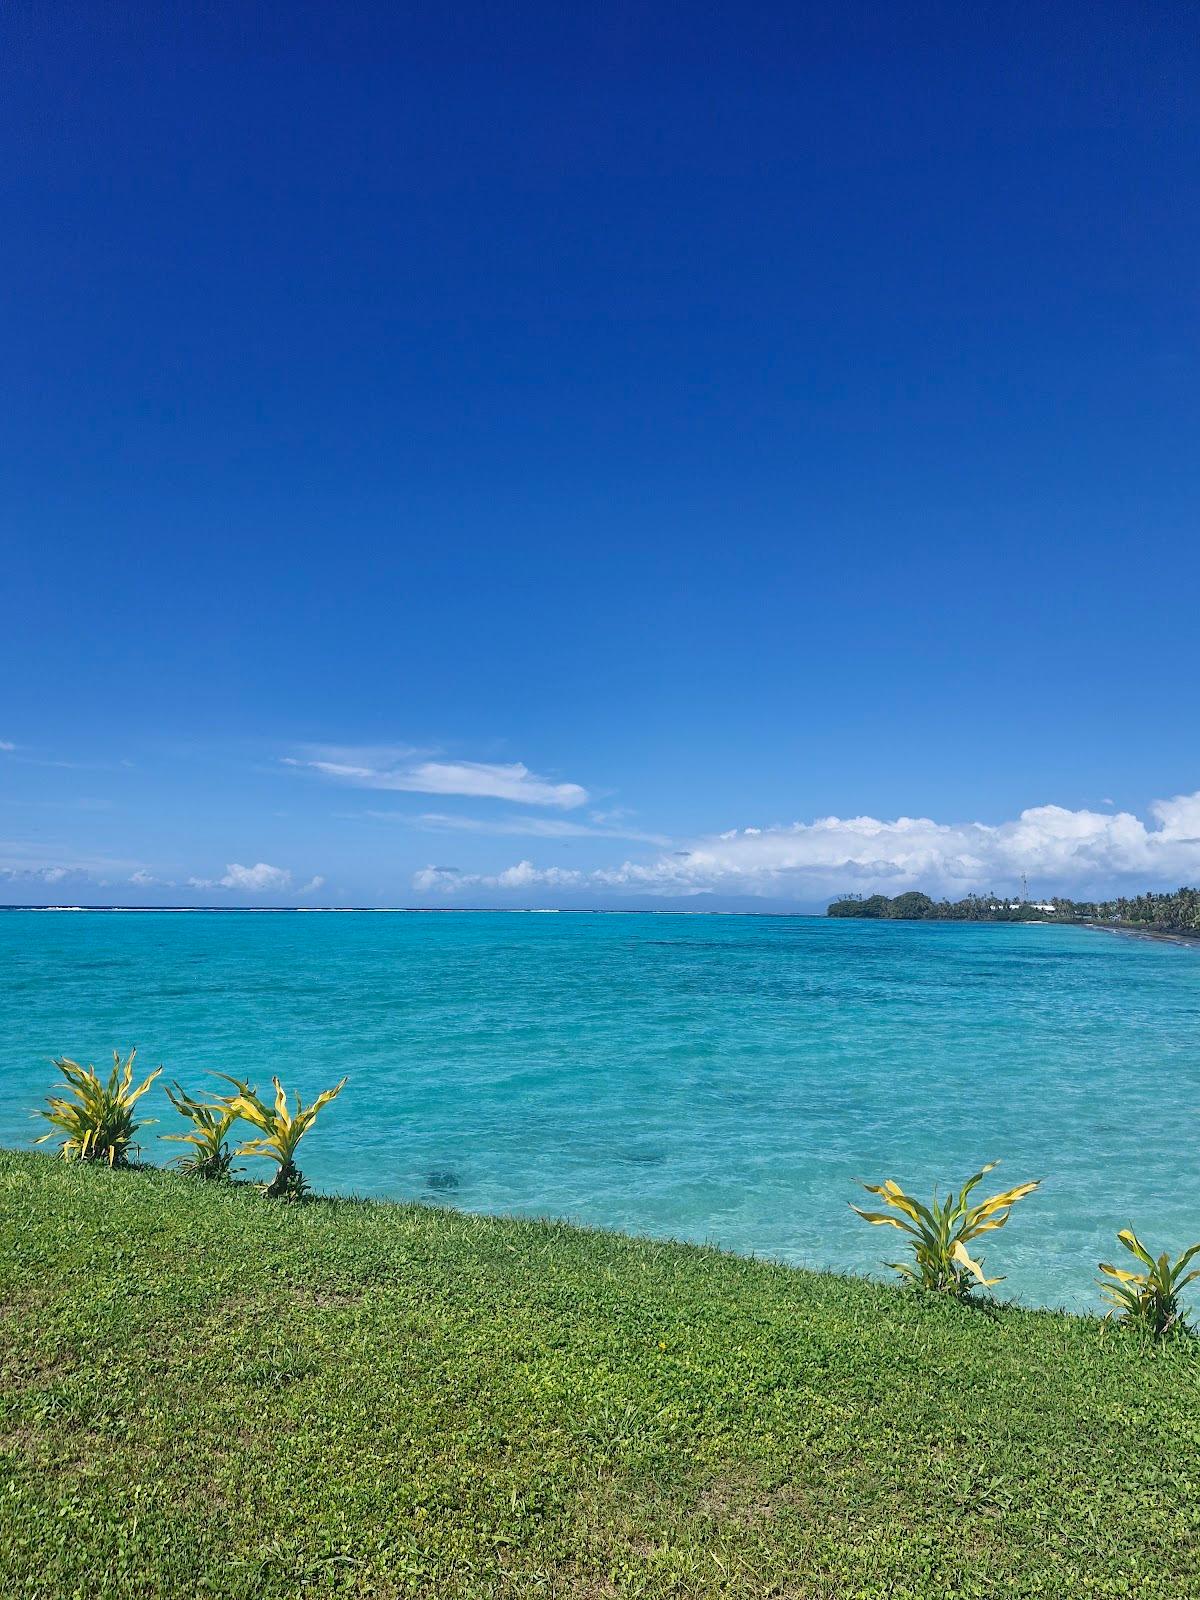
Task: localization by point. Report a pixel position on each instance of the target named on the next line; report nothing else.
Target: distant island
(1177, 912)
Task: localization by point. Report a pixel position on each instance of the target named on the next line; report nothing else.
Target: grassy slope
(202, 1392)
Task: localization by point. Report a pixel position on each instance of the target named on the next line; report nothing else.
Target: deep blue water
(718, 1078)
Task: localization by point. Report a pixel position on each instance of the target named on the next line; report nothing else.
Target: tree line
(1177, 911)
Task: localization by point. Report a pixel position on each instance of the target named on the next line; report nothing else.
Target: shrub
(210, 1156)
(1150, 1299)
(281, 1131)
(98, 1122)
(940, 1232)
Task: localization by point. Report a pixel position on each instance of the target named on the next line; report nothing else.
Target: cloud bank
(1072, 852)
(41, 874)
(389, 769)
(26, 863)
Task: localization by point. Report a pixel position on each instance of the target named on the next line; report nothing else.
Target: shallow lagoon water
(708, 1078)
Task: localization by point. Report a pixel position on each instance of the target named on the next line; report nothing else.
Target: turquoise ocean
(715, 1078)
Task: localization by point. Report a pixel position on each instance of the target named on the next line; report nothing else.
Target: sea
(724, 1079)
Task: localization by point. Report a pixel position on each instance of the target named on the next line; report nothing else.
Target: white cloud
(532, 827)
(1063, 851)
(449, 880)
(7, 744)
(313, 884)
(256, 879)
(375, 769)
(142, 878)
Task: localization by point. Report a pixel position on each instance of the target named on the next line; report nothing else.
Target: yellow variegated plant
(940, 1232)
(210, 1156)
(1149, 1299)
(281, 1129)
(98, 1122)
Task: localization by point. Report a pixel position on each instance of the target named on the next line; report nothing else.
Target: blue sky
(484, 459)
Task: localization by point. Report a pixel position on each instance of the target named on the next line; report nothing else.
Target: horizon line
(440, 911)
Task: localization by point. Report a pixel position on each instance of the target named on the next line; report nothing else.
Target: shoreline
(1190, 941)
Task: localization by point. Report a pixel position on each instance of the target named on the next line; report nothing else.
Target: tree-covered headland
(1174, 912)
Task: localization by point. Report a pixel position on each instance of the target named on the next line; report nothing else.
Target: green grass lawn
(207, 1393)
